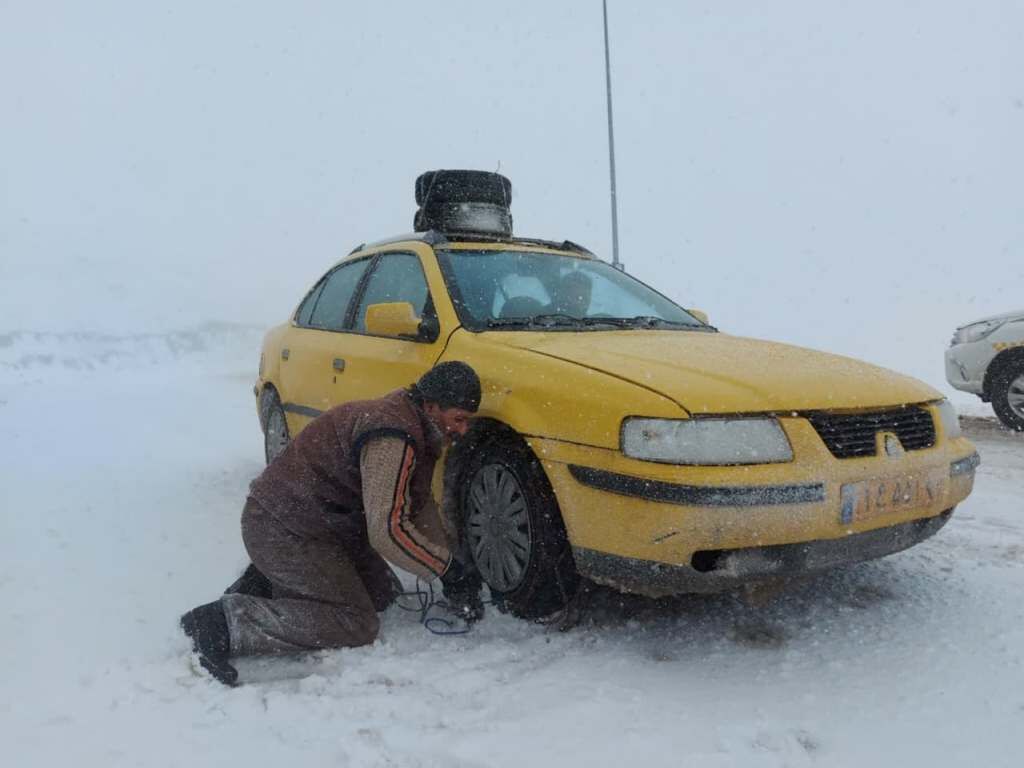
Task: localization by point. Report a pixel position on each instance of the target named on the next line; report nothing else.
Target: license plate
(869, 499)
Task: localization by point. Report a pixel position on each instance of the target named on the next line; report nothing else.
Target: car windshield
(519, 290)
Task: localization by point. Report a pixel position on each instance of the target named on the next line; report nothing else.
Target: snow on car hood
(1005, 316)
(718, 373)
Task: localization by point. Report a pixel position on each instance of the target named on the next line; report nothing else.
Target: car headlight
(976, 331)
(949, 418)
(706, 441)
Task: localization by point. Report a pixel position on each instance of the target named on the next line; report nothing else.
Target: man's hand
(462, 585)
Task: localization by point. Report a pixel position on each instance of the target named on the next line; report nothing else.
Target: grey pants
(326, 592)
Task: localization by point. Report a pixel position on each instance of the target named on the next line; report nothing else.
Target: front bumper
(657, 529)
(966, 365)
(719, 570)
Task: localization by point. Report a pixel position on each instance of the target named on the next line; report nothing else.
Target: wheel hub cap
(277, 437)
(498, 526)
(1015, 396)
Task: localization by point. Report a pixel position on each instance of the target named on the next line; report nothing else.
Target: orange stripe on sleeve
(398, 530)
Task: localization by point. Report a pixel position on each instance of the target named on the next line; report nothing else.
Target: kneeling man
(349, 492)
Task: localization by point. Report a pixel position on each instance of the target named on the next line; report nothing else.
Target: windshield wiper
(552, 319)
(650, 321)
(556, 320)
(509, 322)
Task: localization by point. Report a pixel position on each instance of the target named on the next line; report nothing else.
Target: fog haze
(843, 176)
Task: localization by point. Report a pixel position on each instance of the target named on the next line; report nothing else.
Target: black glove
(461, 585)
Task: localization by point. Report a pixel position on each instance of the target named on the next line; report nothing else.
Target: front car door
(376, 365)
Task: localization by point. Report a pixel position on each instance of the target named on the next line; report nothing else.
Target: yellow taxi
(620, 437)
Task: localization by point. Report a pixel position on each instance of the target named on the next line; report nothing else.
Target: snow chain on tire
(550, 581)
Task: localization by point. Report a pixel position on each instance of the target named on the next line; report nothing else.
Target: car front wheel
(1008, 394)
(515, 532)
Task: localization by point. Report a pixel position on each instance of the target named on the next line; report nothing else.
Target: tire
(514, 531)
(469, 218)
(436, 187)
(275, 426)
(1007, 392)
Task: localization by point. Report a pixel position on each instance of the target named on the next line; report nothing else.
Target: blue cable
(426, 600)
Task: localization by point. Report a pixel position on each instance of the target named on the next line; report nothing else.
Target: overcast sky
(842, 175)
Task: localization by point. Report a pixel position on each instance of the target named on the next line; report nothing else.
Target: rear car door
(314, 357)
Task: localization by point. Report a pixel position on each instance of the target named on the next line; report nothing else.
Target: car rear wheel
(1007, 392)
(514, 531)
(275, 426)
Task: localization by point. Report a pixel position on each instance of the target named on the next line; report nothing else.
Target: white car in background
(986, 357)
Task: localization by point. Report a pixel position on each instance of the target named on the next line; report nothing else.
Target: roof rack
(433, 237)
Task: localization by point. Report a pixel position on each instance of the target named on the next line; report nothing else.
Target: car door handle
(285, 353)
(339, 364)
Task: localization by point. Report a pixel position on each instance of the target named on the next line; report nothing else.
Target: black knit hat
(450, 385)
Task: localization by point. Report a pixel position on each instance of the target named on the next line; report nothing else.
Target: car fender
(270, 357)
(1011, 353)
(538, 395)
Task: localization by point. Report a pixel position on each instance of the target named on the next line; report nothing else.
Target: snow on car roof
(433, 237)
(1004, 316)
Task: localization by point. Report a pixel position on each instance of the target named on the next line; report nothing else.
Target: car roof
(435, 239)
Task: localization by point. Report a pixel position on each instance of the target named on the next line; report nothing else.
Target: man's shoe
(208, 628)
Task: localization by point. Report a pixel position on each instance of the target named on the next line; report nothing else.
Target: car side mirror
(700, 314)
(393, 319)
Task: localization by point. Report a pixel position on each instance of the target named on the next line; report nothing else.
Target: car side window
(333, 299)
(397, 277)
(305, 311)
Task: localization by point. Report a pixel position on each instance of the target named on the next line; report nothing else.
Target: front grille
(851, 435)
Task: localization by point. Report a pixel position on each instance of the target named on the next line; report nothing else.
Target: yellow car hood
(718, 373)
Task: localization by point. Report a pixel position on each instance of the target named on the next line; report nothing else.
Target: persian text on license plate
(869, 499)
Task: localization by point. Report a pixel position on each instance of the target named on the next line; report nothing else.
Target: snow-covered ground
(124, 467)
(838, 175)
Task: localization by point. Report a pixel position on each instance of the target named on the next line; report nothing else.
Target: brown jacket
(372, 457)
